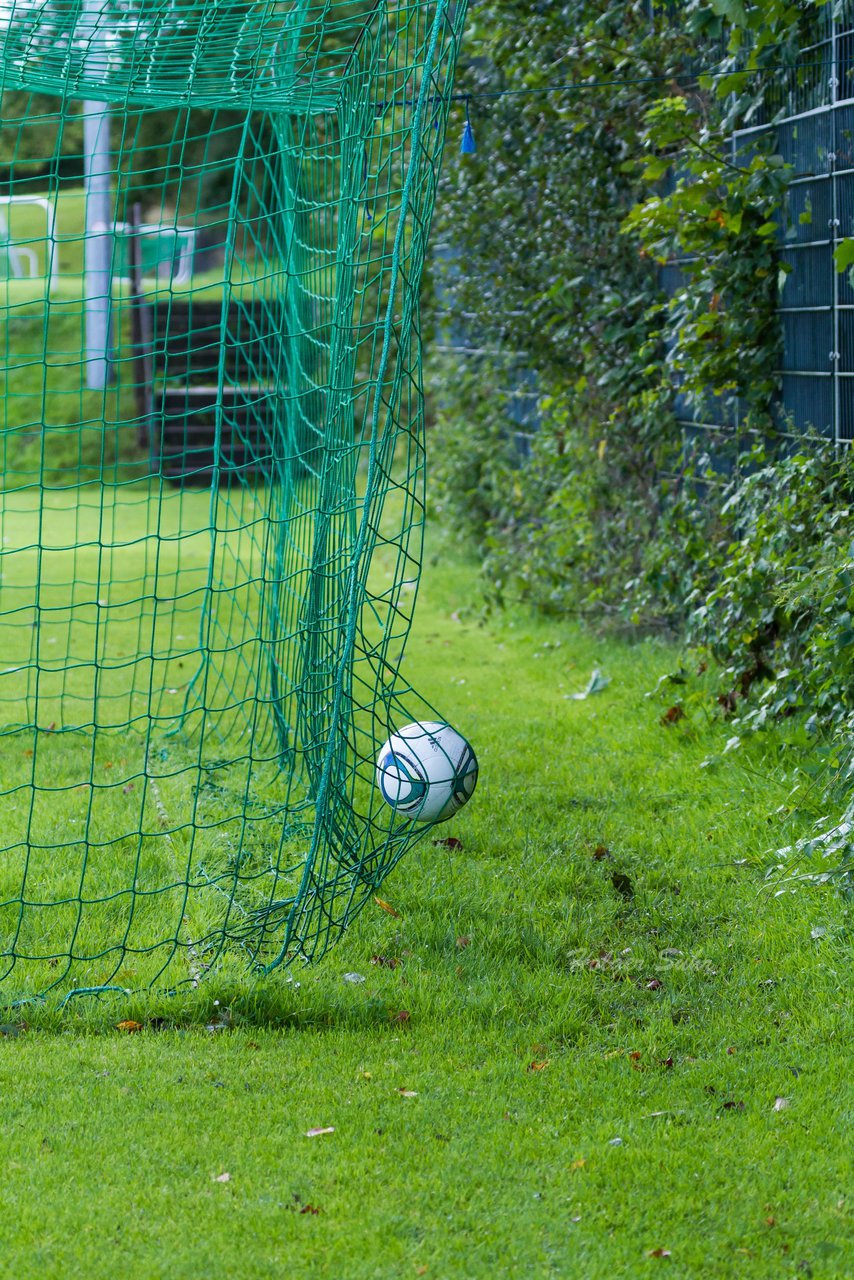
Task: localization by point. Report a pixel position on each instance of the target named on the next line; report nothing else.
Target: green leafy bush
(773, 597)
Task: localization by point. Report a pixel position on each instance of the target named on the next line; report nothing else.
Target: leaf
(463, 941)
(408, 1093)
(595, 684)
(387, 908)
(659, 1253)
(129, 1026)
(310, 1208)
(385, 962)
(730, 1105)
(539, 1066)
(654, 984)
(450, 842)
(673, 715)
(600, 852)
(578, 1164)
(403, 1016)
(223, 1177)
(318, 1133)
(843, 255)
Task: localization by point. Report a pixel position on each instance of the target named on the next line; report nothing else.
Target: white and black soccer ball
(427, 771)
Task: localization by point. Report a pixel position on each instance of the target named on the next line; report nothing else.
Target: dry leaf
(672, 716)
(402, 1016)
(310, 1208)
(223, 1177)
(385, 962)
(539, 1066)
(578, 1164)
(450, 842)
(654, 984)
(317, 1133)
(129, 1026)
(407, 1093)
(635, 1055)
(601, 851)
(659, 1253)
(387, 908)
(463, 941)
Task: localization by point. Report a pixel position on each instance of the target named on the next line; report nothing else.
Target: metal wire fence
(809, 114)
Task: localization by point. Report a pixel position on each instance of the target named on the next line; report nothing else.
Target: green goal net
(213, 218)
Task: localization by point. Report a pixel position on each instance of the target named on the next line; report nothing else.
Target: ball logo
(401, 785)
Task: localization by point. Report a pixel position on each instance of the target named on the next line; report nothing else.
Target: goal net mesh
(213, 218)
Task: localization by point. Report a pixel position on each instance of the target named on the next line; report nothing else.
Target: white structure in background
(23, 254)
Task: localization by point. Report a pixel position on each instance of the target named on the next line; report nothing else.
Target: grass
(596, 1000)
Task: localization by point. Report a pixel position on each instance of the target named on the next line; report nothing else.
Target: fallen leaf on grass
(385, 906)
(666, 1062)
(310, 1208)
(539, 1066)
(596, 684)
(654, 984)
(578, 1164)
(223, 1177)
(408, 1093)
(635, 1055)
(673, 715)
(129, 1026)
(463, 941)
(730, 1105)
(450, 842)
(600, 852)
(402, 1016)
(780, 1104)
(317, 1133)
(659, 1253)
(385, 962)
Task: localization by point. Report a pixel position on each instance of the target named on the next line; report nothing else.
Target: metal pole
(98, 244)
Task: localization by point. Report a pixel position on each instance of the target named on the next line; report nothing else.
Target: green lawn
(618, 1040)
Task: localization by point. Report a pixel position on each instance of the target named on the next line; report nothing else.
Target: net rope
(214, 219)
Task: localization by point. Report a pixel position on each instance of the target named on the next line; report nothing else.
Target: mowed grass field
(590, 1040)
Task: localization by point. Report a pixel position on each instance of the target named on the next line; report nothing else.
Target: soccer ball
(427, 771)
